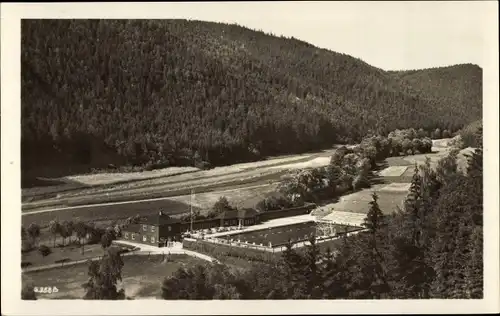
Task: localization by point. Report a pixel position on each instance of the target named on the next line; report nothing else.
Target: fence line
(75, 262)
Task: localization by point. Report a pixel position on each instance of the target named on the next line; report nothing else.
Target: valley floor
(243, 185)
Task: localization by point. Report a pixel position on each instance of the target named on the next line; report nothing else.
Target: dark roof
(159, 218)
(238, 214)
(132, 228)
(248, 213)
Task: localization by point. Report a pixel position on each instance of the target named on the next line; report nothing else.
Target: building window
(169, 228)
(152, 240)
(152, 229)
(145, 238)
(145, 228)
(126, 235)
(133, 236)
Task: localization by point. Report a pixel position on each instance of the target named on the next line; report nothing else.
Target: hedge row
(219, 251)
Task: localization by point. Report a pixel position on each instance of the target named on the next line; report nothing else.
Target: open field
(157, 191)
(314, 163)
(176, 205)
(108, 178)
(241, 198)
(106, 212)
(358, 202)
(113, 182)
(142, 277)
(75, 182)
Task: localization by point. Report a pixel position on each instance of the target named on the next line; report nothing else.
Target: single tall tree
(312, 274)
(104, 276)
(374, 218)
(413, 206)
(54, 228)
(34, 232)
(81, 233)
(371, 258)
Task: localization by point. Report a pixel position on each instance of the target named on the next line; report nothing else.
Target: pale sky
(389, 35)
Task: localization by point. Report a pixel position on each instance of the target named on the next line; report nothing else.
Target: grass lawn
(66, 253)
(389, 201)
(141, 277)
(330, 244)
(397, 161)
(389, 197)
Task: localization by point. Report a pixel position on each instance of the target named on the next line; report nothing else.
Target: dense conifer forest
(155, 93)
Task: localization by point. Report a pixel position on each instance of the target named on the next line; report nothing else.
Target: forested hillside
(464, 80)
(175, 92)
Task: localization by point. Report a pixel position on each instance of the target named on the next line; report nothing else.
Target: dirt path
(144, 251)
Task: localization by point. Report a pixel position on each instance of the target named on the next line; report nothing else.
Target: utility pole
(191, 208)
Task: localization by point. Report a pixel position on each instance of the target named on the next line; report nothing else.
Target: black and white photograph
(235, 152)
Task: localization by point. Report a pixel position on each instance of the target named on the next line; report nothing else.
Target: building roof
(238, 214)
(159, 218)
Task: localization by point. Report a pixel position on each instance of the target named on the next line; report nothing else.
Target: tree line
(85, 233)
(147, 94)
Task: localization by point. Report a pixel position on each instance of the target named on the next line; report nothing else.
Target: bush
(417, 145)
(44, 250)
(274, 203)
(436, 134)
(108, 237)
(27, 245)
(470, 134)
(95, 235)
(28, 292)
(25, 264)
(203, 165)
(457, 142)
(426, 145)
